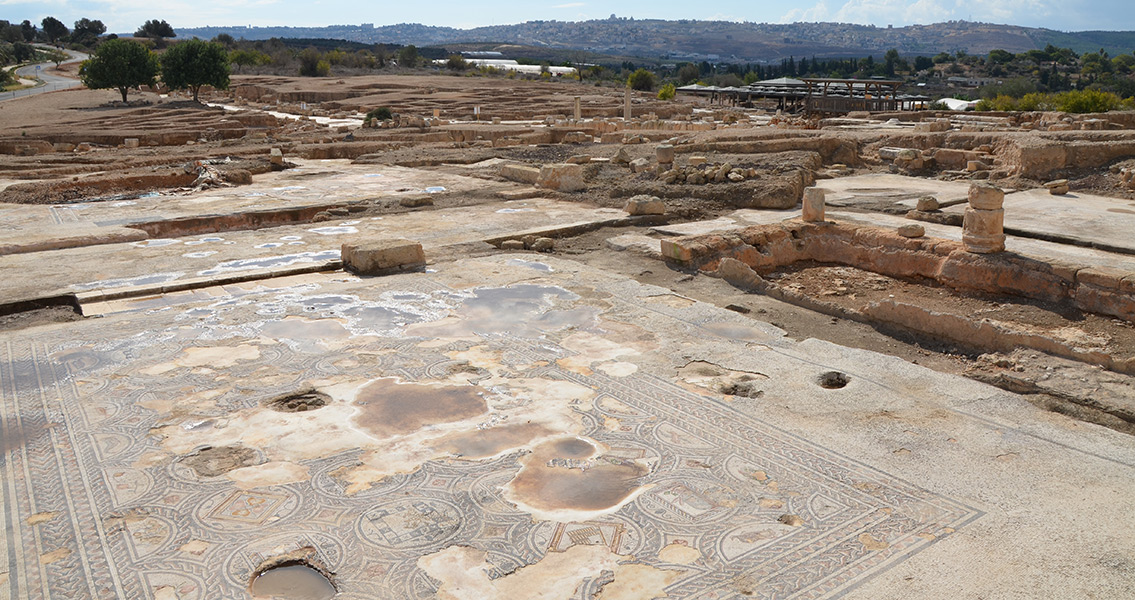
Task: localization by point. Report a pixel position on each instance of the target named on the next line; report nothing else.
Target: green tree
(688, 73)
(28, 30)
(641, 80)
(194, 63)
(54, 29)
(87, 32)
(248, 58)
(224, 39)
(1000, 57)
(667, 92)
(57, 57)
(921, 63)
(312, 64)
(157, 31)
(408, 56)
(120, 65)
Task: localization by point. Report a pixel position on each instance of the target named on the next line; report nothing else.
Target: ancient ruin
(534, 339)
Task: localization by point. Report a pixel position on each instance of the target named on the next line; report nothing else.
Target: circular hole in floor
(299, 402)
(292, 580)
(833, 380)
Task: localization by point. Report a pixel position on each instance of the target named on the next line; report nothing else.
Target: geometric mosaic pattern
(85, 515)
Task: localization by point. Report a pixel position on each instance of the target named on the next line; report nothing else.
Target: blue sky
(127, 15)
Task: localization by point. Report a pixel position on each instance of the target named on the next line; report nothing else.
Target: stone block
(576, 137)
(579, 159)
(664, 154)
(645, 205)
(813, 204)
(520, 173)
(986, 196)
(130, 142)
(561, 177)
(512, 245)
(384, 256)
(1058, 187)
(927, 203)
(543, 244)
(640, 165)
(276, 156)
(912, 230)
(697, 161)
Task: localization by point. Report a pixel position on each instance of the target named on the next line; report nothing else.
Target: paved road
(51, 81)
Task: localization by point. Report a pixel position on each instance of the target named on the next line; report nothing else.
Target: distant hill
(712, 40)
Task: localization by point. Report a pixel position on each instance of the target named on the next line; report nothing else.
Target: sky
(124, 16)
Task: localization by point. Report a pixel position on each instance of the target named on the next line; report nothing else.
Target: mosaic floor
(103, 421)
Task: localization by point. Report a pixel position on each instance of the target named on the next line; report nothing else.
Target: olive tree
(120, 65)
(194, 63)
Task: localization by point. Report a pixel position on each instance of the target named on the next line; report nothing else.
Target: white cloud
(816, 14)
(570, 5)
(906, 12)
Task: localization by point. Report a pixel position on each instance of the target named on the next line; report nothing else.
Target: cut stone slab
(382, 256)
(561, 177)
(1074, 218)
(697, 227)
(873, 189)
(164, 260)
(1041, 249)
(634, 242)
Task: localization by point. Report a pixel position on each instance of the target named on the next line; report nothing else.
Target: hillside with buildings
(723, 40)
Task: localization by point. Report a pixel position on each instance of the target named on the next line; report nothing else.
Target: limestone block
(697, 161)
(276, 156)
(813, 204)
(383, 256)
(576, 137)
(1058, 187)
(640, 165)
(130, 142)
(543, 244)
(927, 203)
(579, 159)
(986, 196)
(645, 205)
(976, 165)
(664, 154)
(561, 177)
(521, 173)
(983, 231)
(912, 230)
(621, 157)
(512, 245)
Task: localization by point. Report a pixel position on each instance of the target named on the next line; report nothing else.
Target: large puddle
(292, 582)
(490, 441)
(388, 408)
(568, 474)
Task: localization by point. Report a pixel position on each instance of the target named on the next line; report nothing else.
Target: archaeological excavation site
(529, 339)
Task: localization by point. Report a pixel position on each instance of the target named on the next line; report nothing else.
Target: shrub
(456, 62)
(1087, 101)
(381, 113)
(641, 80)
(667, 92)
(312, 64)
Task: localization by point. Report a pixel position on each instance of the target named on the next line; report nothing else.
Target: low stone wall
(769, 247)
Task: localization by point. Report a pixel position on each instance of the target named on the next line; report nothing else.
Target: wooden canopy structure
(842, 96)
